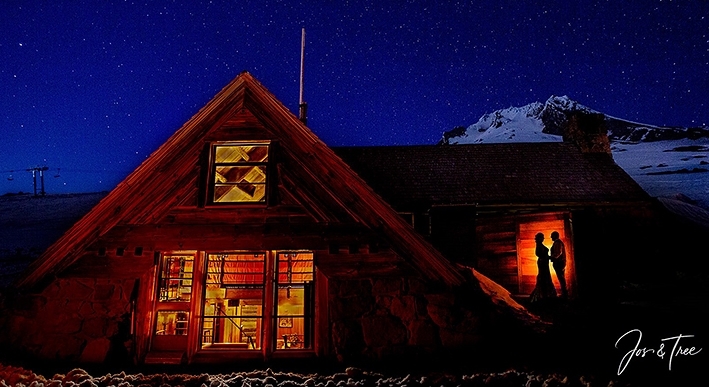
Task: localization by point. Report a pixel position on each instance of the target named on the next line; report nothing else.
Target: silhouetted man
(558, 259)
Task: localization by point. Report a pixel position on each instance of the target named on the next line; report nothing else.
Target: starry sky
(90, 88)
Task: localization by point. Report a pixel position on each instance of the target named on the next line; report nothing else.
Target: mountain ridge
(542, 120)
(666, 161)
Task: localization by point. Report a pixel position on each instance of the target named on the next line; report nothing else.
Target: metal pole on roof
(303, 106)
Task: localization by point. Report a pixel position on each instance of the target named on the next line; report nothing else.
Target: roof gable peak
(243, 109)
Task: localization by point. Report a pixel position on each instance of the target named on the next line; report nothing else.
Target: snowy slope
(668, 168)
(28, 225)
(665, 161)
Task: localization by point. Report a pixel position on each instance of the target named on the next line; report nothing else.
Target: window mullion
(270, 303)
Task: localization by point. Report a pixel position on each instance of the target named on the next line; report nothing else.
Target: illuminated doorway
(172, 304)
(526, 258)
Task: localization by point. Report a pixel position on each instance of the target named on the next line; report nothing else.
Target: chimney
(587, 131)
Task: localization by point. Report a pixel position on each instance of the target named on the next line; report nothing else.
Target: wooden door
(172, 307)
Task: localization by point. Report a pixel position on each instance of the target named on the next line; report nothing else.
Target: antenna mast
(302, 104)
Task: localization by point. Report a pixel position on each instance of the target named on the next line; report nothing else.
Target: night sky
(90, 88)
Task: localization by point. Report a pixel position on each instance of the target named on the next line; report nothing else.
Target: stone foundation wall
(382, 319)
(86, 320)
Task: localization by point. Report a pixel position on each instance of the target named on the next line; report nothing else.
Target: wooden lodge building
(245, 237)
(481, 205)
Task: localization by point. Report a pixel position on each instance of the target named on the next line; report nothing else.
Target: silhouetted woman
(544, 288)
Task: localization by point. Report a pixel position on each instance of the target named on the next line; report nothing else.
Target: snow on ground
(352, 377)
(29, 224)
(668, 168)
(24, 216)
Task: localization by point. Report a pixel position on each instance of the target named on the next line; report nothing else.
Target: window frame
(257, 341)
(305, 280)
(269, 317)
(212, 172)
(171, 283)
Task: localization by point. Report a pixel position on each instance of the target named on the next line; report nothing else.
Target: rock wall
(402, 318)
(85, 320)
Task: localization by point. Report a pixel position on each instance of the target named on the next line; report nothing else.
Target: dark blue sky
(90, 88)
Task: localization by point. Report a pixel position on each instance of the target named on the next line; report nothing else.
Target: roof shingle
(506, 173)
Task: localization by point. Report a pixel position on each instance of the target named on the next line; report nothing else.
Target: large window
(239, 309)
(239, 173)
(234, 301)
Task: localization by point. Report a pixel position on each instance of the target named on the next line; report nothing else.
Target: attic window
(238, 173)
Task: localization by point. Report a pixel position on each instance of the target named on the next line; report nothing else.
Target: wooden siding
(265, 236)
(506, 249)
(143, 316)
(238, 215)
(110, 265)
(358, 265)
(497, 251)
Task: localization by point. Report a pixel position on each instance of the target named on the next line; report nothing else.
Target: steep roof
(242, 108)
(491, 174)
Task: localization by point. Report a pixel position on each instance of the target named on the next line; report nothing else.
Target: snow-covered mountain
(665, 161)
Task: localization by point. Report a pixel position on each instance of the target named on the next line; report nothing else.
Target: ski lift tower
(35, 172)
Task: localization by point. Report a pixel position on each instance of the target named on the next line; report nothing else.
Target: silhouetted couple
(545, 287)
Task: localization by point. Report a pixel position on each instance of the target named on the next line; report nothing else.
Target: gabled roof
(491, 174)
(241, 108)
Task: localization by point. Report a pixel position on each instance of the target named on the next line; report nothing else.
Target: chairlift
(57, 175)
(10, 178)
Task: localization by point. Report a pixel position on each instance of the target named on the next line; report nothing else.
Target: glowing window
(171, 323)
(239, 173)
(176, 278)
(236, 302)
(294, 300)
